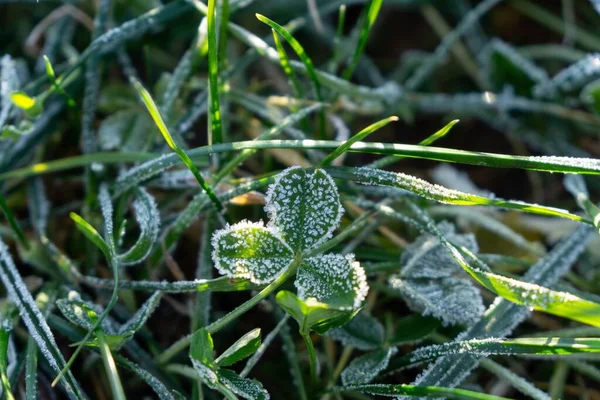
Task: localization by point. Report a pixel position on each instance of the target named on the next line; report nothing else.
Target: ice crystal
(365, 368)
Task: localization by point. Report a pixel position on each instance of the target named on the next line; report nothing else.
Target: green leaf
(213, 74)
(366, 367)
(455, 301)
(75, 312)
(312, 315)
(202, 356)
(333, 279)
(242, 348)
(363, 332)
(531, 295)
(576, 186)
(250, 389)
(30, 105)
(306, 60)
(546, 346)
(148, 219)
(34, 320)
(367, 23)
(141, 315)
(91, 233)
(252, 251)
(5, 331)
(433, 283)
(356, 138)
(304, 206)
(417, 391)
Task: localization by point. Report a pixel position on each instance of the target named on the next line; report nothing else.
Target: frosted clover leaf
(304, 210)
(304, 207)
(432, 283)
(252, 251)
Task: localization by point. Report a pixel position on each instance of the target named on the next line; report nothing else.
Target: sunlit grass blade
(56, 83)
(153, 110)
(576, 186)
(416, 391)
(306, 60)
(368, 20)
(91, 233)
(110, 367)
(441, 194)
(385, 161)
(216, 124)
(531, 295)
(14, 224)
(358, 137)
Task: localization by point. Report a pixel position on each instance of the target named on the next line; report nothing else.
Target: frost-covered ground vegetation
(299, 199)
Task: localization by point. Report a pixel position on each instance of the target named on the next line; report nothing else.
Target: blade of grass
(285, 65)
(110, 367)
(416, 391)
(386, 161)
(358, 137)
(14, 224)
(306, 60)
(368, 20)
(155, 113)
(215, 136)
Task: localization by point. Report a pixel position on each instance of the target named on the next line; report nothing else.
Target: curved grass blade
(213, 76)
(148, 219)
(385, 161)
(159, 388)
(368, 21)
(441, 194)
(416, 391)
(358, 137)
(35, 321)
(155, 113)
(14, 224)
(306, 60)
(563, 304)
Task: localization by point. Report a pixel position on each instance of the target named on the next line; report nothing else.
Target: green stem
(233, 315)
(312, 356)
(110, 367)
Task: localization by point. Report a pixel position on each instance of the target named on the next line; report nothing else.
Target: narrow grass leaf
(358, 137)
(14, 224)
(285, 65)
(141, 315)
(213, 75)
(155, 113)
(368, 20)
(35, 321)
(148, 219)
(416, 391)
(516, 381)
(306, 60)
(576, 186)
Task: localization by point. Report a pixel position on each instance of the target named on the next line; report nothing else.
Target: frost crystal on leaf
(363, 332)
(247, 388)
(252, 251)
(333, 279)
(433, 283)
(304, 206)
(365, 368)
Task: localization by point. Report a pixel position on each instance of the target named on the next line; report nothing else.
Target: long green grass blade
(416, 391)
(306, 60)
(213, 75)
(543, 346)
(285, 66)
(369, 19)
(155, 113)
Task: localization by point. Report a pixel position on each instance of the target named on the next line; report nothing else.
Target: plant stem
(110, 367)
(312, 355)
(235, 314)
